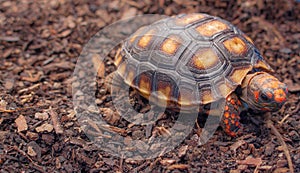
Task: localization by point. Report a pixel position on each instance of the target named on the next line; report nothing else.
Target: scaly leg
(231, 117)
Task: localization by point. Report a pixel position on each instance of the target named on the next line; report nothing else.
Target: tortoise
(189, 61)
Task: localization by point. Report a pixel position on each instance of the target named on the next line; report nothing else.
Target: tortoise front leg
(231, 117)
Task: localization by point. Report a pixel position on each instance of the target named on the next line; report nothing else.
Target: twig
(283, 144)
(283, 119)
(29, 88)
(19, 109)
(7, 111)
(56, 124)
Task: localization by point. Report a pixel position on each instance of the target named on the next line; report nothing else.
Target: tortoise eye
(264, 97)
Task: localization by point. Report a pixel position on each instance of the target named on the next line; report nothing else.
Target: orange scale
(232, 122)
(226, 115)
(226, 108)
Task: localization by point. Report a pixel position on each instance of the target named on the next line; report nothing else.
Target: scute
(211, 28)
(188, 60)
(204, 59)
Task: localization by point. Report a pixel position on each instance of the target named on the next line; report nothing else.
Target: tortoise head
(264, 92)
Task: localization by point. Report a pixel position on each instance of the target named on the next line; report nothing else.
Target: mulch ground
(40, 45)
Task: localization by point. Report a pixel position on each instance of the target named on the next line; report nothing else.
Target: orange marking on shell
(122, 69)
(188, 19)
(145, 40)
(136, 34)
(171, 45)
(256, 95)
(164, 90)
(207, 97)
(225, 89)
(204, 59)
(238, 75)
(262, 65)
(248, 38)
(130, 76)
(279, 96)
(235, 45)
(210, 28)
(185, 97)
(118, 59)
(145, 84)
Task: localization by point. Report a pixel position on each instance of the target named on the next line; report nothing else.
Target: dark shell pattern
(188, 59)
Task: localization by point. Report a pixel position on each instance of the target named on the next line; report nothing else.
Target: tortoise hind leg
(231, 117)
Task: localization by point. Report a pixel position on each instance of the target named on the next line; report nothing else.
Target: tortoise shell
(188, 59)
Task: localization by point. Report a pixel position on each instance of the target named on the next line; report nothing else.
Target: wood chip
(162, 131)
(9, 84)
(31, 152)
(182, 150)
(32, 136)
(41, 116)
(178, 166)
(56, 123)
(237, 144)
(110, 116)
(21, 123)
(250, 161)
(65, 33)
(45, 128)
(166, 162)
